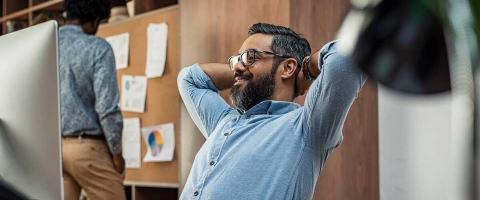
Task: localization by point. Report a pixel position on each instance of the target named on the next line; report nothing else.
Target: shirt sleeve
(330, 97)
(107, 98)
(200, 96)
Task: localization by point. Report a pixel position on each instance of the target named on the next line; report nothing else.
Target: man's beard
(254, 92)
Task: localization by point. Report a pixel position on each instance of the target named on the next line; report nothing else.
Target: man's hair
(285, 42)
(87, 10)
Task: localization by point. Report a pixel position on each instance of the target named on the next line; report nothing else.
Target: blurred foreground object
(426, 47)
(400, 44)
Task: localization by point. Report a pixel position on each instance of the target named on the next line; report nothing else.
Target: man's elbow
(184, 77)
(183, 74)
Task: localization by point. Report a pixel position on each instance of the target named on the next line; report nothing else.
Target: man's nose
(239, 67)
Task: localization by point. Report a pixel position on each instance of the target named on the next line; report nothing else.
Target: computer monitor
(30, 141)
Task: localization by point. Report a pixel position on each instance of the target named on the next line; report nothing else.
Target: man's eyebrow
(256, 49)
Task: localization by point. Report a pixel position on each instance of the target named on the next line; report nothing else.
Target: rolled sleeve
(201, 98)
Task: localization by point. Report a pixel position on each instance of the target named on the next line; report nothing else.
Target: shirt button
(212, 162)
(225, 134)
(195, 193)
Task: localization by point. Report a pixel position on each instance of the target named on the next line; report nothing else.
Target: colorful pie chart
(155, 142)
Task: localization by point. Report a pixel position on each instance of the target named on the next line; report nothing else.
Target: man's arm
(220, 74)
(107, 98)
(330, 96)
(199, 86)
(106, 104)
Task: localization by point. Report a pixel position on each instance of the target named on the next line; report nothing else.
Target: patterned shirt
(88, 87)
(276, 149)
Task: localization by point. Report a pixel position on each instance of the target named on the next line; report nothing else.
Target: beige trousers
(88, 165)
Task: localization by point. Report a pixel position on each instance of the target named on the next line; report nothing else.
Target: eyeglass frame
(254, 58)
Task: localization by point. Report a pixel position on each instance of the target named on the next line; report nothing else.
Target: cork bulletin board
(163, 100)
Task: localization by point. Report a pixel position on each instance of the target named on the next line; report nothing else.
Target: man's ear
(289, 68)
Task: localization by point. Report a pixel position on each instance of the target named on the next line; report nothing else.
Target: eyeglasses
(249, 57)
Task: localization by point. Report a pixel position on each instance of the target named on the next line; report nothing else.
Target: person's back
(91, 119)
(79, 54)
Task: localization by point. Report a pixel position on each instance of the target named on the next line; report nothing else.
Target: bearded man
(266, 146)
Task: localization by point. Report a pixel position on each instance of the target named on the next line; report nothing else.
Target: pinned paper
(134, 93)
(156, 49)
(160, 141)
(120, 45)
(131, 142)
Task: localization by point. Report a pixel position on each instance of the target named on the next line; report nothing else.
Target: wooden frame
(24, 11)
(28, 10)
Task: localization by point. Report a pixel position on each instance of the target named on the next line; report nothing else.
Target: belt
(85, 136)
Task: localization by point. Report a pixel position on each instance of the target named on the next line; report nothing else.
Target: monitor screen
(30, 141)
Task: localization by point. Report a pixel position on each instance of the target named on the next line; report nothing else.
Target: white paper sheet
(160, 141)
(131, 142)
(120, 45)
(134, 92)
(156, 49)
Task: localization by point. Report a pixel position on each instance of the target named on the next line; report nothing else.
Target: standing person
(266, 146)
(91, 119)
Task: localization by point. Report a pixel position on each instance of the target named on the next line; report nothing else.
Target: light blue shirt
(276, 149)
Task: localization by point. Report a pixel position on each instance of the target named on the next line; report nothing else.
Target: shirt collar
(72, 27)
(271, 107)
